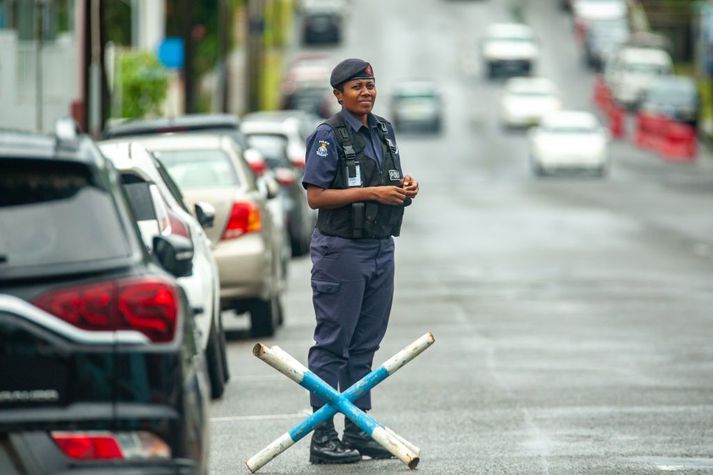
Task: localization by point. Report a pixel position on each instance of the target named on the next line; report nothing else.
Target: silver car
(247, 245)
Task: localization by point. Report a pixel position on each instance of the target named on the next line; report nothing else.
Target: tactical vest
(370, 219)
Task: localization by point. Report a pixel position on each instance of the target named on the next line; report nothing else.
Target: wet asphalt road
(573, 316)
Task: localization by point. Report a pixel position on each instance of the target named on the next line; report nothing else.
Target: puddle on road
(674, 464)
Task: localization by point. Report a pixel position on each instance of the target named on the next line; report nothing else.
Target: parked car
(153, 193)
(300, 218)
(569, 141)
(509, 49)
(632, 70)
(99, 354)
(294, 125)
(675, 97)
(417, 105)
(225, 124)
(526, 100)
(247, 247)
(603, 39)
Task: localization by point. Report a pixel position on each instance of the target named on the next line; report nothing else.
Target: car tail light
(147, 305)
(285, 176)
(256, 161)
(111, 445)
(257, 166)
(178, 227)
(244, 218)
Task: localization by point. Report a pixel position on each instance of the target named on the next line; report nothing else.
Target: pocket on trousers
(325, 287)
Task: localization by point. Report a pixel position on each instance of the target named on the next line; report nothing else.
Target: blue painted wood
(341, 402)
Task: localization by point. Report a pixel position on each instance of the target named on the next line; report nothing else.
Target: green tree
(143, 83)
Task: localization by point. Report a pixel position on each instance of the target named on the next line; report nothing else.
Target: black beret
(349, 69)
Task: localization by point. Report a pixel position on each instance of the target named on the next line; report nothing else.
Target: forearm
(333, 198)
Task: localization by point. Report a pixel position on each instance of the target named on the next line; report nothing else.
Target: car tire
(264, 315)
(215, 360)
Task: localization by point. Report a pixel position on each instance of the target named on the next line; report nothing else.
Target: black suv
(100, 367)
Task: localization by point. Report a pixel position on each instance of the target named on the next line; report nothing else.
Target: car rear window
(199, 168)
(53, 213)
(272, 146)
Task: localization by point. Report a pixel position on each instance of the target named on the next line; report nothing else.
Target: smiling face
(357, 96)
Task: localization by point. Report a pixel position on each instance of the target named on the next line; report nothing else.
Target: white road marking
(263, 417)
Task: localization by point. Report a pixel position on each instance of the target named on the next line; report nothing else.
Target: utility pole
(39, 89)
(188, 70)
(224, 31)
(255, 66)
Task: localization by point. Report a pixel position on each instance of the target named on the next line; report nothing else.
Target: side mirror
(205, 214)
(175, 254)
(268, 186)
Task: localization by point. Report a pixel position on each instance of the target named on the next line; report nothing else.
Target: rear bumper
(245, 267)
(36, 453)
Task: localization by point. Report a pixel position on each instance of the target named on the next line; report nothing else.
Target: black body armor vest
(370, 219)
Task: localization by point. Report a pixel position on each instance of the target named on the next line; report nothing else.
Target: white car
(138, 167)
(569, 140)
(586, 11)
(525, 101)
(510, 49)
(633, 70)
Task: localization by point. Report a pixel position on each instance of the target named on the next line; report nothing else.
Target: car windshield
(272, 146)
(645, 68)
(512, 38)
(531, 93)
(199, 168)
(568, 129)
(53, 213)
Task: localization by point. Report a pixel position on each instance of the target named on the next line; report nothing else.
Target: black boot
(355, 438)
(327, 448)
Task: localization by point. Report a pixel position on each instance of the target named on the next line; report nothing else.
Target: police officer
(353, 176)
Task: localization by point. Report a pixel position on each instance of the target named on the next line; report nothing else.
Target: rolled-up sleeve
(321, 159)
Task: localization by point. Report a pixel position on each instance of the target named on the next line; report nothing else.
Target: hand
(390, 195)
(410, 186)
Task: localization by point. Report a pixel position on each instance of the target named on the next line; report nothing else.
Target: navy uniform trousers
(352, 292)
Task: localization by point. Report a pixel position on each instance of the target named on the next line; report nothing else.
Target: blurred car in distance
(101, 367)
(569, 141)
(585, 12)
(526, 100)
(675, 97)
(246, 246)
(154, 196)
(603, 39)
(322, 23)
(632, 70)
(300, 218)
(509, 49)
(294, 125)
(417, 106)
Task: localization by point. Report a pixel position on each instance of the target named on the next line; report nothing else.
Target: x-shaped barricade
(339, 402)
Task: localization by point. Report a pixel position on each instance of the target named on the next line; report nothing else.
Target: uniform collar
(354, 122)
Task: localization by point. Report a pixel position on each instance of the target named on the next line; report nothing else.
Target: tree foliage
(143, 83)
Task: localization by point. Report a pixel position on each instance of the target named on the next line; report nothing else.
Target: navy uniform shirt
(321, 158)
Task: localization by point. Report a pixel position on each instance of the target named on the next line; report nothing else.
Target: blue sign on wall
(170, 52)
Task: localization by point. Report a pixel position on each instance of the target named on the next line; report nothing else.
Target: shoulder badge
(322, 149)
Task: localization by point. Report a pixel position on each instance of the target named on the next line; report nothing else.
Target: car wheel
(264, 316)
(215, 363)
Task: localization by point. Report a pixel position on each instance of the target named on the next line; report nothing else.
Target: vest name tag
(354, 176)
(394, 175)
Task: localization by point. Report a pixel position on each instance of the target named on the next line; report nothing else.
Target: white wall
(18, 86)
